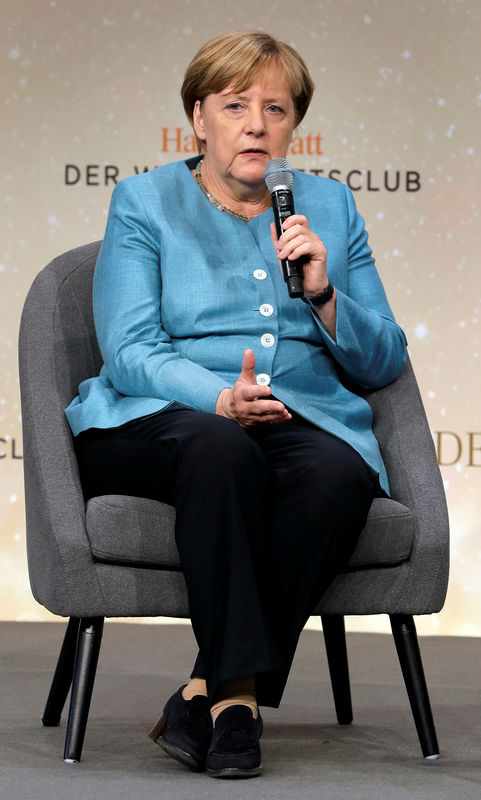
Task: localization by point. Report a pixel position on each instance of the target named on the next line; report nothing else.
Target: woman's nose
(255, 122)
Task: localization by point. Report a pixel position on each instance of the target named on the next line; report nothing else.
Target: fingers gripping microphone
(279, 178)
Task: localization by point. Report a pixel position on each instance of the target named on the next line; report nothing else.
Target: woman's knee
(325, 495)
(220, 444)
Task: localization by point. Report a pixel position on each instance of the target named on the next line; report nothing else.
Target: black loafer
(184, 730)
(234, 751)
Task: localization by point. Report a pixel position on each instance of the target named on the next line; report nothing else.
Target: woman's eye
(234, 106)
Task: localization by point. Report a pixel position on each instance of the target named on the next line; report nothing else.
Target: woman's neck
(242, 199)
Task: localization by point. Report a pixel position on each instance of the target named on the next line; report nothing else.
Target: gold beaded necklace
(211, 198)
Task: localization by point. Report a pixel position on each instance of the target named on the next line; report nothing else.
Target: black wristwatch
(319, 299)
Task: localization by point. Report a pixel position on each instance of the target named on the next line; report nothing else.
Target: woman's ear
(198, 121)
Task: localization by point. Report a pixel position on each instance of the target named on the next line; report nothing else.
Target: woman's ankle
(241, 700)
(195, 686)
(233, 692)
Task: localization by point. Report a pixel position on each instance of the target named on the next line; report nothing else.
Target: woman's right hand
(247, 403)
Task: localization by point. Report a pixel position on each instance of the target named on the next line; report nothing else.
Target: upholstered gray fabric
(400, 564)
(418, 586)
(387, 538)
(132, 530)
(139, 532)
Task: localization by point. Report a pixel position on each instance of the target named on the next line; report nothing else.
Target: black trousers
(265, 517)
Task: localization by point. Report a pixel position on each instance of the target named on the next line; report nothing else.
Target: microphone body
(283, 206)
(279, 179)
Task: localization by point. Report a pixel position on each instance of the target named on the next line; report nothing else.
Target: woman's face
(243, 130)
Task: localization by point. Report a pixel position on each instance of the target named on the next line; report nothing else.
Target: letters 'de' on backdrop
(90, 95)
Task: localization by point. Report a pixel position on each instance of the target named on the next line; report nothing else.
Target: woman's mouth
(253, 152)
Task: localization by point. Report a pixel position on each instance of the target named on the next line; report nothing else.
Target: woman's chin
(252, 171)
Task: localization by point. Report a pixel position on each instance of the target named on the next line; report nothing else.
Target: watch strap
(320, 299)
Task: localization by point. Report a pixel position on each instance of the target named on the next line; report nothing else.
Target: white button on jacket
(260, 274)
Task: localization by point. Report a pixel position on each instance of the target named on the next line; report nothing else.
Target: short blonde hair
(236, 58)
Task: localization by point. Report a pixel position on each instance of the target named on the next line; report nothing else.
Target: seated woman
(228, 399)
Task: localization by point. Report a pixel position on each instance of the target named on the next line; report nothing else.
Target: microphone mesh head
(278, 175)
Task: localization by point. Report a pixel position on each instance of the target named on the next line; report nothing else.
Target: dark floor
(305, 753)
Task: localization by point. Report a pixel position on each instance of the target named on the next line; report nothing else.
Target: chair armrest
(402, 430)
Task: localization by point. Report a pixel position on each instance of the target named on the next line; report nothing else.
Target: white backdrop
(90, 93)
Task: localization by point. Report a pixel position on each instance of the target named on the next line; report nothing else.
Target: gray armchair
(117, 555)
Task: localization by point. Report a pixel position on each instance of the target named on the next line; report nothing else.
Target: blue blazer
(181, 289)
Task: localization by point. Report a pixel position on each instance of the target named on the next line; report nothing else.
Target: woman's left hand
(298, 241)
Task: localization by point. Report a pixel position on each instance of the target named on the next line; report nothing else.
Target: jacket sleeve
(140, 358)
(370, 347)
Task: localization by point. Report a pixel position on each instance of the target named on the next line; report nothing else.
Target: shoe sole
(235, 772)
(172, 749)
(180, 755)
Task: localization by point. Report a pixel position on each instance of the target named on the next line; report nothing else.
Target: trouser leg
(320, 495)
(220, 495)
(215, 475)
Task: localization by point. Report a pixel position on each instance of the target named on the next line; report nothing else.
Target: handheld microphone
(279, 178)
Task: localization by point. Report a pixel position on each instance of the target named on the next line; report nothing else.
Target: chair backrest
(57, 350)
(58, 347)
(68, 297)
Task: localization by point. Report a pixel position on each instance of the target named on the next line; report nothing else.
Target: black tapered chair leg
(88, 648)
(62, 679)
(407, 646)
(335, 641)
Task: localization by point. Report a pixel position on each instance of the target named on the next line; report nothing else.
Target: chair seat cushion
(387, 538)
(135, 531)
